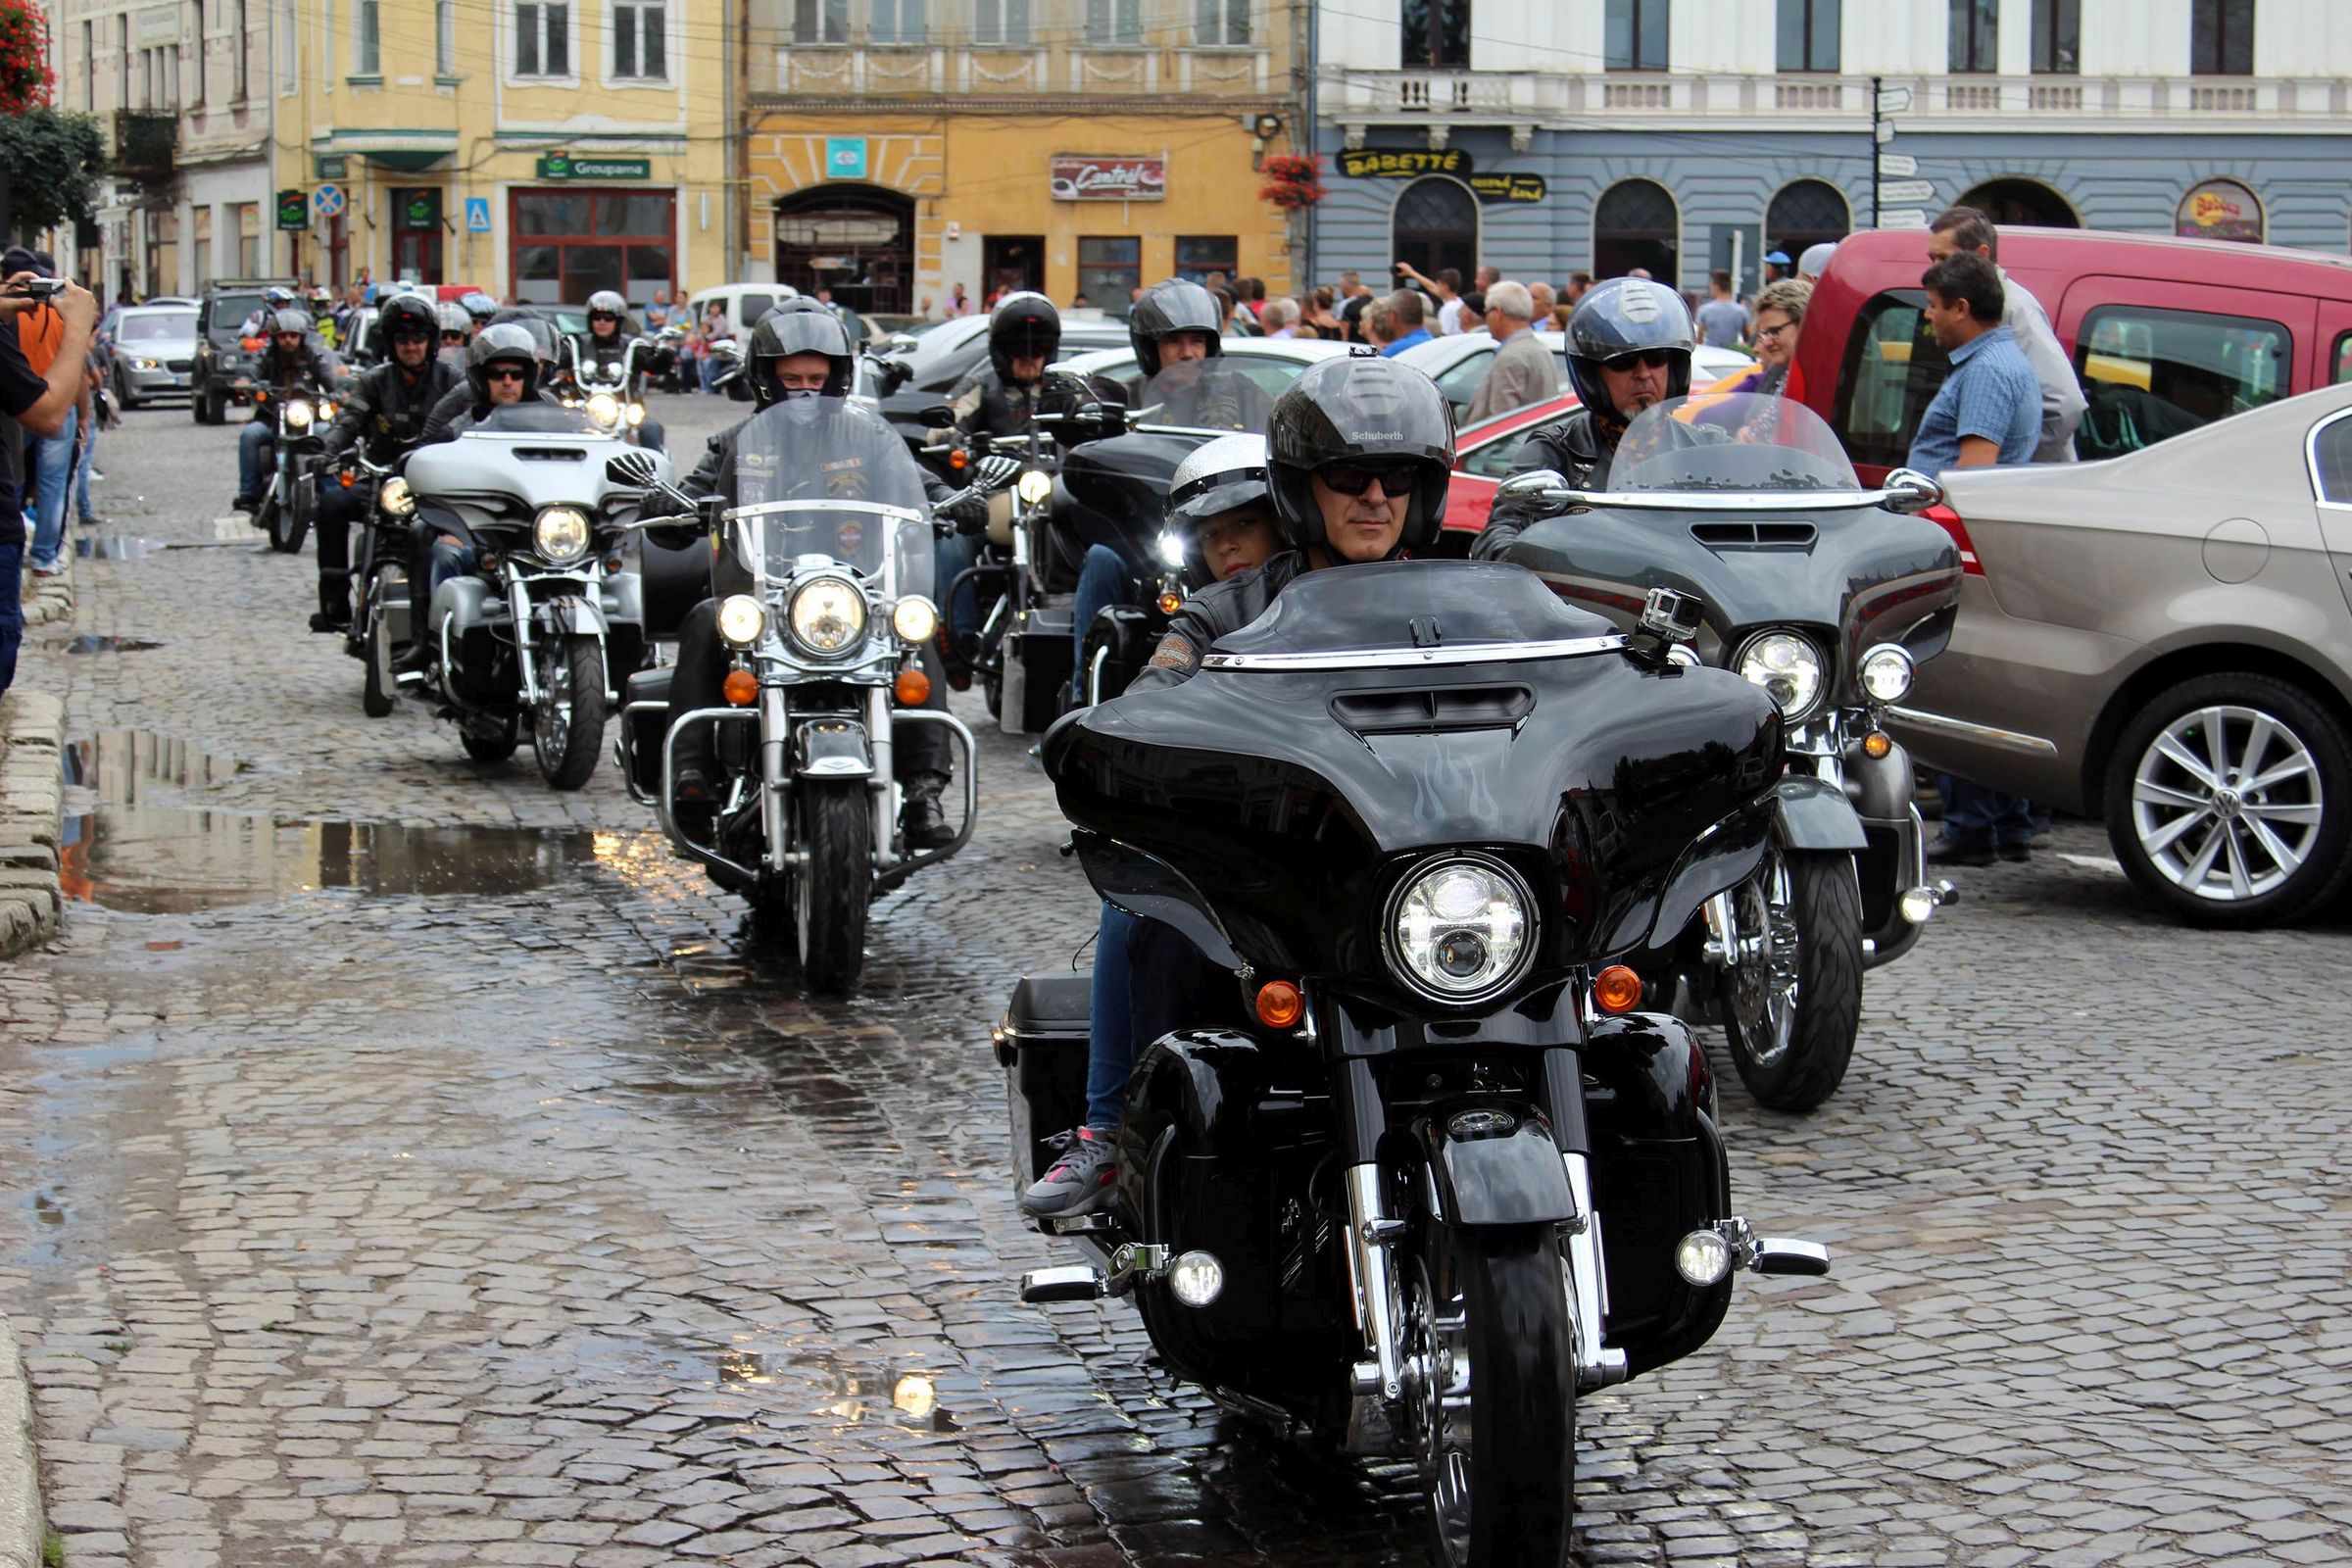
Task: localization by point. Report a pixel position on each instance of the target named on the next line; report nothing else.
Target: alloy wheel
(1765, 975)
(2227, 802)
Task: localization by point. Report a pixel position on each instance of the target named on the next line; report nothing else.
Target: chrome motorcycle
(611, 396)
(299, 417)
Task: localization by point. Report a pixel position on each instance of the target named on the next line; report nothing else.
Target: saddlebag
(647, 726)
(673, 582)
(1037, 655)
(1040, 1043)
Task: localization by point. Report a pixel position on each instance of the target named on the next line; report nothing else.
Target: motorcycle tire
(1499, 1484)
(381, 684)
(495, 746)
(1795, 1062)
(566, 743)
(832, 892)
(290, 522)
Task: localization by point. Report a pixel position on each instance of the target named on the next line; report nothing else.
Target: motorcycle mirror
(1907, 490)
(1542, 490)
(892, 375)
(633, 470)
(934, 416)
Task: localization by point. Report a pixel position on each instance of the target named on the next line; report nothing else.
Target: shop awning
(403, 152)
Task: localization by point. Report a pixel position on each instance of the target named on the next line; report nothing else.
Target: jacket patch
(1174, 653)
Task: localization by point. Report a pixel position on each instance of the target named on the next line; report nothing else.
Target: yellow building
(893, 151)
(539, 149)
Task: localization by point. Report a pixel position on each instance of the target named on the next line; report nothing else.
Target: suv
(224, 361)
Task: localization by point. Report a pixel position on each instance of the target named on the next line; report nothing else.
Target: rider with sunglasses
(605, 344)
(1629, 349)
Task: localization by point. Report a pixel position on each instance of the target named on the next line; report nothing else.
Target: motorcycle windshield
(1202, 395)
(1741, 441)
(531, 419)
(827, 478)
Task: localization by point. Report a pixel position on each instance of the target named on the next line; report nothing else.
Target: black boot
(335, 601)
(925, 822)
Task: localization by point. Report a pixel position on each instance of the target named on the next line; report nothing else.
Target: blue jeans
(52, 468)
(1974, 815)
(82, 474)
(950, 556)
(1111, 1024)
(11, 611)
(712, 368)
(1101, 583)
(254, 453)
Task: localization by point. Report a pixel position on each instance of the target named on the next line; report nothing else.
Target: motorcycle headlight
(560, 533)
(1887, 673)
(327, 412)
(827, 615)
(296, 414)
(395, 497)
(604, 409)
(1034, 486)
(742, 620)
(1461, 930)
(1788, 666)
(636, 414)
(914, 618)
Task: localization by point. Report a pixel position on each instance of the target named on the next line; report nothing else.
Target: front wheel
(1493, 1419)
(832, 889)
(569, 726)
(1792, 995)
(290, 519)
(123, 398)
(376, 652)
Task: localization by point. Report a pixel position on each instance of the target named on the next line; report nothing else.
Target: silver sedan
(155, 348)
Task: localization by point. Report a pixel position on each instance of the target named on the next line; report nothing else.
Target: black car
(224, 369)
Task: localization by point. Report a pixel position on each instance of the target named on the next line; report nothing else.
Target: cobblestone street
(406, 1163)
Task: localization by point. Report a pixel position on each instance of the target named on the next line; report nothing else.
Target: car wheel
(2229, 800)
(123, 398)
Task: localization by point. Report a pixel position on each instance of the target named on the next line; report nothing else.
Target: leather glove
(967, 510)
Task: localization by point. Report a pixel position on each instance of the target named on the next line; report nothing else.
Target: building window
(1221, 21)
(1000, 21)
(1436, 33)
(2221, 39)
(123, 58)
(1635, 223)
(200, 245)
(90, 66)
(1806, 213)
(2219, 209)
(899, 21)
(196, 47)
(1110, 268)
(2057, 38)
(1975, 36)
(1114, 21)
(445, 37)
(542, 38)
(1808, 35)
(1435, 226)
(1198, 255)
(248, 217)
(289, 52)
(641, 41)
(366, 57)
(568, 244)
(1634, 34)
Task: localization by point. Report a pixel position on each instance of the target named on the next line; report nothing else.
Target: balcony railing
(880, 70)
(144, 143)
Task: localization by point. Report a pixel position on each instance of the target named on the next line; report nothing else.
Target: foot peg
(1076, 1283)
(1094, 1224)
(1782, 1255)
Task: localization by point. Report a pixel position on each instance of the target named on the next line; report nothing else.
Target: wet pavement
(408, 1164)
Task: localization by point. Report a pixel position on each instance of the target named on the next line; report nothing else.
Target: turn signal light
(345, 478)
(1170, 602)
(1280, 1006)
(1877, 744)
(1617, 989)
(959, 459)
(912, 688)
(742, 688)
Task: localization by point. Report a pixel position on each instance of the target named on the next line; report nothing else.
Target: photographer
(42, 403)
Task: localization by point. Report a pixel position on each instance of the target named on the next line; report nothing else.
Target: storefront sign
(156, 26)
(329, 166)
(1387, 163)
(1083, 178)
(845, 156)
(2220, 209)
(293, 209)
(570, 166)
(419, 209)
(1508, 187)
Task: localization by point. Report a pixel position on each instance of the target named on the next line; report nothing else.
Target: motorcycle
(609, 395)
(380, 612)
(1828, 597)
(545, 623)
(1431, 1177)
(826, 638)
(299, 417)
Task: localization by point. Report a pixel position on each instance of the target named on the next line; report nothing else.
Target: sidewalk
(20, 1487)
(33, 728)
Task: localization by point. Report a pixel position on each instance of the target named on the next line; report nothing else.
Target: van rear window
(2150, 374)
(1892, 371)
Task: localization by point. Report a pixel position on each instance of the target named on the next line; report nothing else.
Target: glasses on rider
(412, 335)
(448, 339)
(603, 316)
(1354, 478)
(502, 373)
(1647, 358)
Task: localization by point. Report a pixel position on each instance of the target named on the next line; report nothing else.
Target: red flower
(1292, 181)
(26, 79)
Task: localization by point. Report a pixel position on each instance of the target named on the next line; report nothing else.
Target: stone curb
(51, 598)
(20, 1485)
(33, 799)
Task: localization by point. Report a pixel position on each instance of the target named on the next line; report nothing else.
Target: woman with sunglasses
(1629, 349)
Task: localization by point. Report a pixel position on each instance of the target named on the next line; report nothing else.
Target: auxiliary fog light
(1915, 905)
(1034, 486)
(1704, 1257)
(1196, 1278)
(742, 620)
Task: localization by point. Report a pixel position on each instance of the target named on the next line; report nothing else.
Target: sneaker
(1081, 1180)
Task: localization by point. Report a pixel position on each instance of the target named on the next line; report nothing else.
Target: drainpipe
(1313, 131)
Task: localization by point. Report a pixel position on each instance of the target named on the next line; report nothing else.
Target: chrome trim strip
(1730, 500)
(768, 509)
(1368, 1271)
(1975, 732)
(1418, 657)
(1597, 1365)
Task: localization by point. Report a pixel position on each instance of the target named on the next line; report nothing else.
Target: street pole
(1311, 134)
(1874, 151)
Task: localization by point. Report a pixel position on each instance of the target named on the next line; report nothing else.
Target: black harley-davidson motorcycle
(1828, 595)
(1433, 1177)
(298, 415)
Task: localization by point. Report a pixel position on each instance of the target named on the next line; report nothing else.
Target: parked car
(155, 350)
(2166, 334)
(222, 372)
(1273, 363)
(2165, 639)
(743, 303)
(1459, 362)
(942, 354)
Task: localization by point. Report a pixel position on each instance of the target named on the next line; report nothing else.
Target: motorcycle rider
(276, 298)
(607, 343)
(801, 366)
(294, 361)
(384, 412)
(457, 331)
(1358, 455)
(1629, 349)
(464, 405)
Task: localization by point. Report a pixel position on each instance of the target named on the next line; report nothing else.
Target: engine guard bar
(669, 742)
(961, 738)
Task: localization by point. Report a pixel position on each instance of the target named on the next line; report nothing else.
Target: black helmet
(411, 312)
(1214, 478)
(290, 320)
(1021, 325)
(480, 306)
(1172, 307)
(1359, 408)
(501, 343)
(607, 302)
(1624, 315)
(800, 325)
(542, 336)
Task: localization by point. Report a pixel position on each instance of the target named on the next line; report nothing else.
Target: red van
(2166, 334)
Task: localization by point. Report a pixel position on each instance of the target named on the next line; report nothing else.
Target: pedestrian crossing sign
(477, 215)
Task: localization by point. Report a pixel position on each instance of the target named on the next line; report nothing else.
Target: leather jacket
(1574, 448)
(1220, 608)
(458, 412)
(384, 411)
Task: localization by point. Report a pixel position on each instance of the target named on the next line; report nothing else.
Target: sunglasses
(453, 337)
(1649, 358)
(502, 376)
(411, 337)
(1354, 478)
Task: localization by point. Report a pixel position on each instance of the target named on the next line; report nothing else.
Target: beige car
(2165, 639)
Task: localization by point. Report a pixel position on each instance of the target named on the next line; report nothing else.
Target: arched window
(856, 241)
(1436, 226)
(2026, 202)
(1810, 212)
(1635, 223)
(2220, 209)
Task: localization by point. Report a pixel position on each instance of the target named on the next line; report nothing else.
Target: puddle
(849, 1393)
(86, 644)
(118, 546)
(133, 842)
